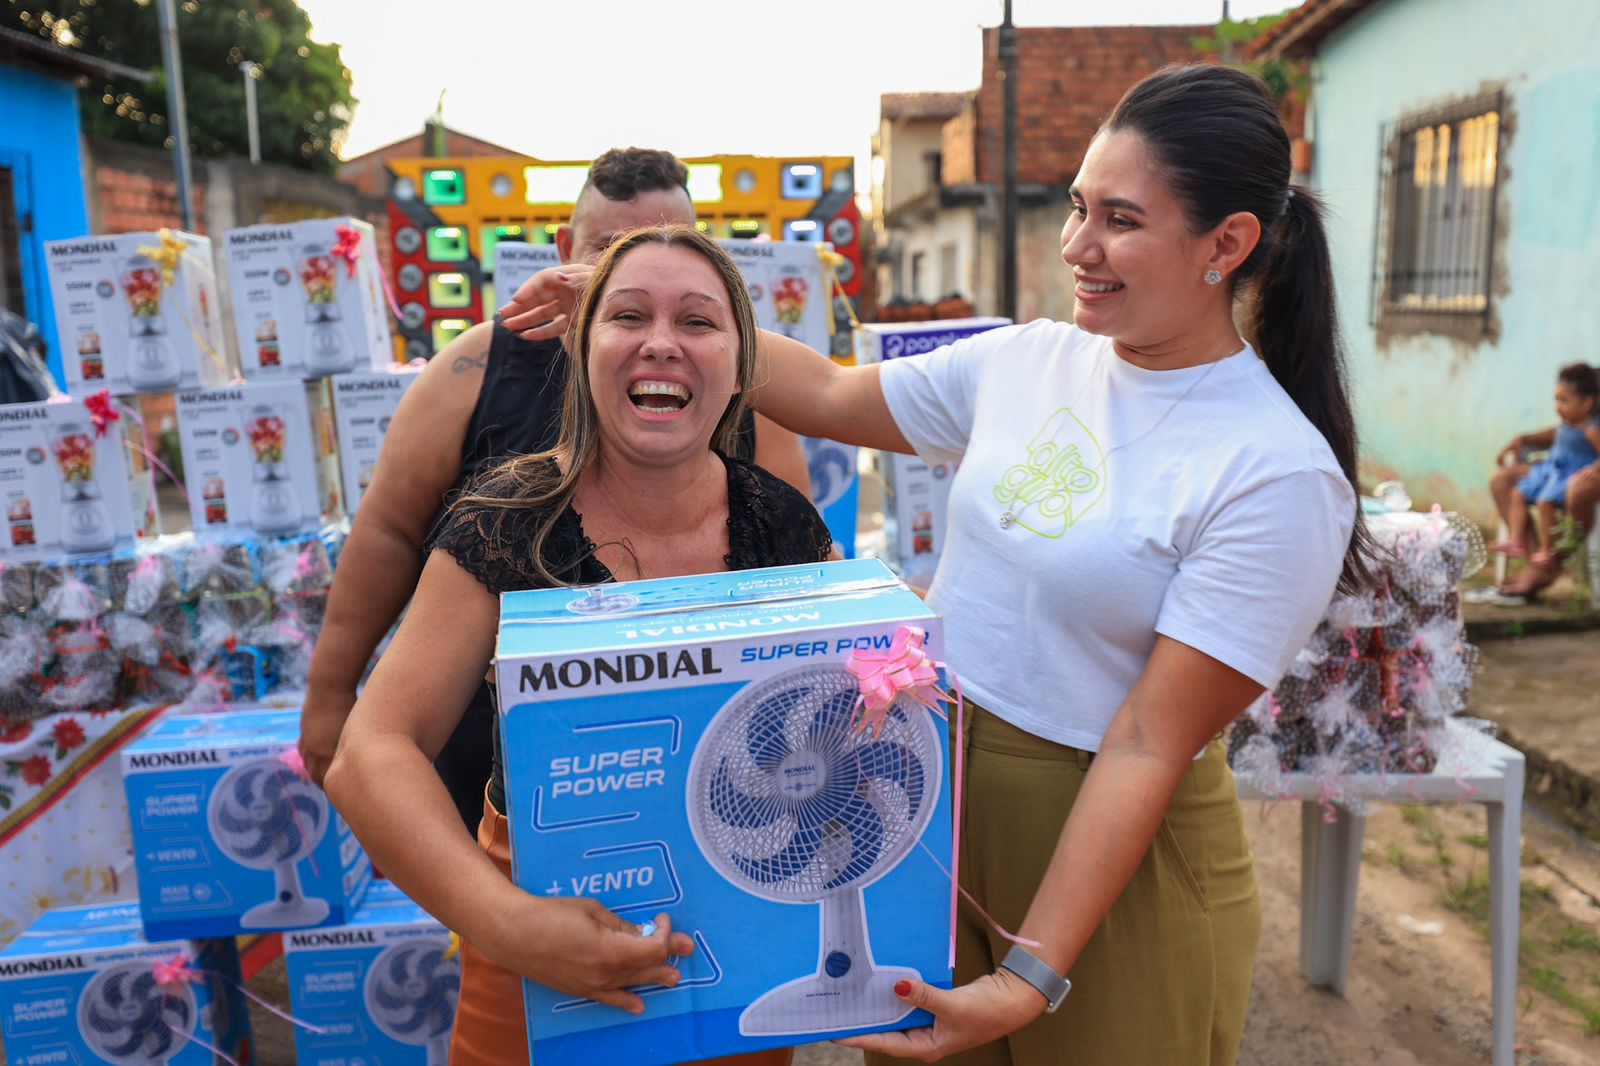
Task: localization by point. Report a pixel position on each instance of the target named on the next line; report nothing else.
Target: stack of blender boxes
(257, 405)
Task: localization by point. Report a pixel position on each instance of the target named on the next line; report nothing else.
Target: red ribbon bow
(348, 247)
(102, 411)
(904, 669)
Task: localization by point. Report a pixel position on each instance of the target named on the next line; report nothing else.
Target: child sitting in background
(1573, 445)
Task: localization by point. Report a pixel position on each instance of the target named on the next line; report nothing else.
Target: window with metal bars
(1441, 180)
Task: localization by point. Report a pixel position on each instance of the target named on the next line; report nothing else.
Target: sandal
(1509, 548)
(1543, 558)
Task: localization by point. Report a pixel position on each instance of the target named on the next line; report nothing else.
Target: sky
(567, 79)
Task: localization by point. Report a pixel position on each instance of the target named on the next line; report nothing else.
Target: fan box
(67, 983)
(300, 309)
(125, 325)
(364, 405)
(67, 491)
(227, 838)
(641, 720)
(259, 457)
(379, 988)
(916, 495)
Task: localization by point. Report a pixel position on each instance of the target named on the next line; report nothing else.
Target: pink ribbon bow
(348, 247)
(292, 758)
(904, 669)
(102, 411)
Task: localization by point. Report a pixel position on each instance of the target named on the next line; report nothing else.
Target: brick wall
(1068, 79)
(133, 189)
(368, 174)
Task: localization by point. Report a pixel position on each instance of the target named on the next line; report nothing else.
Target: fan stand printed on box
(790, 801)
(266, 816)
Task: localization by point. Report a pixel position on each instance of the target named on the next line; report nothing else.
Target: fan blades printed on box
(688, 746)
(382, 988)
(788, 800)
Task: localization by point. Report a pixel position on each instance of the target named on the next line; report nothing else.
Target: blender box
(308, 298)
(66, 489)
(916, 495)
(81, 986)
(689, 746)
(363, 406)
(381, 988)
(228, 837)
(259, 456)
(515, 262)
(130, 324)
(789, 286)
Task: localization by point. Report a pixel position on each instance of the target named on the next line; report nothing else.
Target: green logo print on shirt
(1060, 480)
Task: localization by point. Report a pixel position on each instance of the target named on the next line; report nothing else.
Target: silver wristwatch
(1038, 973)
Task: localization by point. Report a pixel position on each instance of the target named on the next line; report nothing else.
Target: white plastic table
(1474, 768)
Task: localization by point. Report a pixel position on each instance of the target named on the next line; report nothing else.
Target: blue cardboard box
(80, 987)
(227, 837)
(380, 988)
(688, 745)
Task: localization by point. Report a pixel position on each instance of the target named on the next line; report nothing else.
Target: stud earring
(1213, 277)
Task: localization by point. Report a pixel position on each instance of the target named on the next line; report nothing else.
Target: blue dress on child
(1547, 481)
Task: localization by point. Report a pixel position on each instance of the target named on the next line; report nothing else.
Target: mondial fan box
(228, 838)
(80, 986)
(515, 262)
(688, 746)
(381, 989)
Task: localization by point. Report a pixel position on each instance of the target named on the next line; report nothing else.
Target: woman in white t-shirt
(1149, 518)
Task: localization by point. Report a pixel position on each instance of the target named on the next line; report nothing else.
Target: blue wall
(1431, 409)
(39, 139)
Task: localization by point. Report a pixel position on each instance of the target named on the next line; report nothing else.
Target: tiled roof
(922, 105)
(1300, 32)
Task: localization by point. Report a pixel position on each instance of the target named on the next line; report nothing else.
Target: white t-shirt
(1195, 503)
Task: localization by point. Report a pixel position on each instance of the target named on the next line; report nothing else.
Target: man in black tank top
(488, 394)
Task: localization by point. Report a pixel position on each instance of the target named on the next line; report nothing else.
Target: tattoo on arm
(469, 362)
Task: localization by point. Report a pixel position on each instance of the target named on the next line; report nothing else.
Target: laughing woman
(639, 486)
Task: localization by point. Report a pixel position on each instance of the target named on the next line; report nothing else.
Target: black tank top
(518, 413)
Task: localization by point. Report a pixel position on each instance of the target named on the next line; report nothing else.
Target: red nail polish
(902, 989)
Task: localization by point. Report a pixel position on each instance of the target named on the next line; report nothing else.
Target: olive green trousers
(1165, 980)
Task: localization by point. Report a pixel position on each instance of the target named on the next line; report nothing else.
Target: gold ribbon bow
(167, 255)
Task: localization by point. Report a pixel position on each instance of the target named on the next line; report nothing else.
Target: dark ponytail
(1223, 149)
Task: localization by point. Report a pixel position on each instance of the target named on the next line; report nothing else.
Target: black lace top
(769, 524)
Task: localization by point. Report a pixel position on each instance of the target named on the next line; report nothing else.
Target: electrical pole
(251, 72)
(178, 119)
(1008, 187)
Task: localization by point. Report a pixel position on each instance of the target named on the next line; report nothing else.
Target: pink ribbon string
(906, 670)
(179, 970)
(103, 411)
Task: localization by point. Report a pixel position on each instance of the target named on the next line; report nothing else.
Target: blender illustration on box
(306, 298)
(138, 312)
(67, 490)
(254, 449)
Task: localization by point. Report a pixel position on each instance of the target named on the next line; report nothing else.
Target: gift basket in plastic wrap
(1385, 668)
(179, 620)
